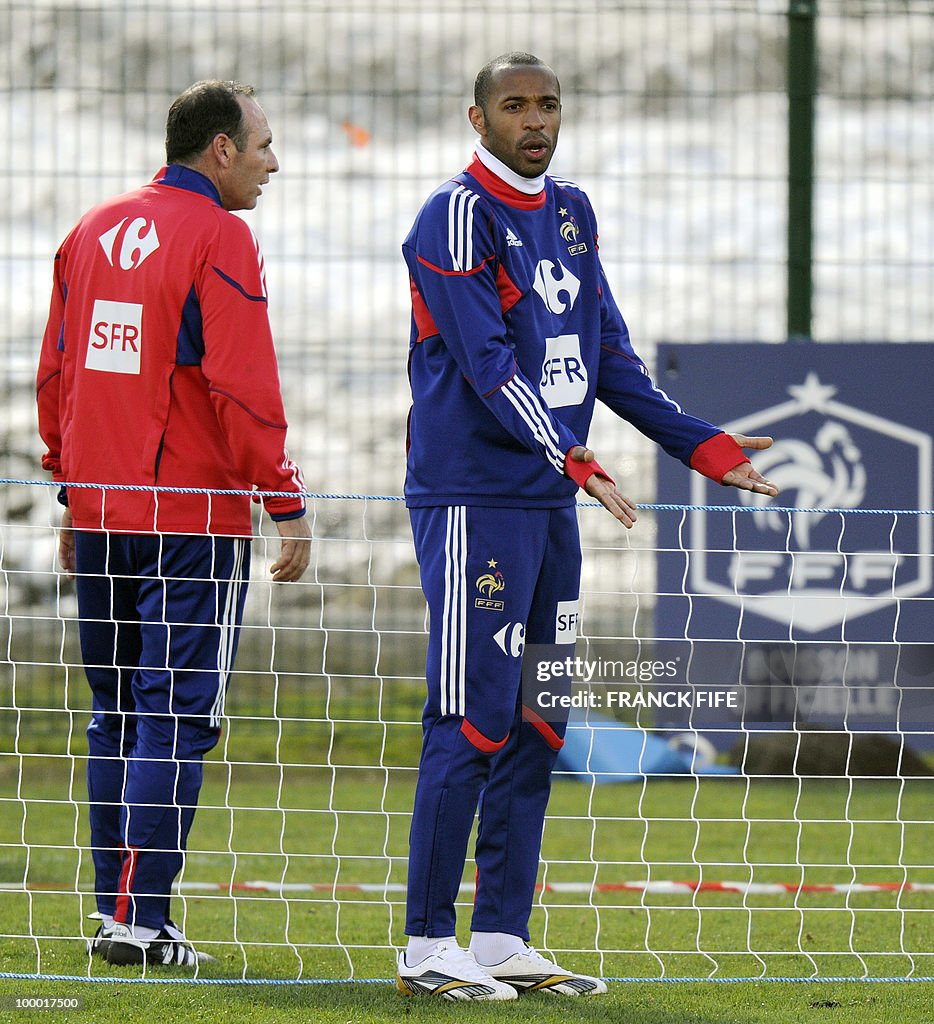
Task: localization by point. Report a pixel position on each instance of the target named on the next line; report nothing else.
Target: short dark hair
(484, 80)
(204, 110)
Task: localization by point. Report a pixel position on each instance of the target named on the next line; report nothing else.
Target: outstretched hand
(744, 476)
(618, 505)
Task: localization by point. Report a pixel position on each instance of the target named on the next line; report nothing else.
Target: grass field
(296, 801)
(635, 1003)
(344, 825)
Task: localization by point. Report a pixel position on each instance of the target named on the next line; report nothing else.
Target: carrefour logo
(138, 241)
(554, 284)
(816, 568)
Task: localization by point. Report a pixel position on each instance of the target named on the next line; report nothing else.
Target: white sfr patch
(566, 620)
(116, 337)
(564, 376)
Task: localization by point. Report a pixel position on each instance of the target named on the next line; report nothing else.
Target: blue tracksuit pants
(159, 624)
(495, 580)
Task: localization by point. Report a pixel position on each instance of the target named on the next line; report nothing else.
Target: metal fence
(676, 121)
(759, 168)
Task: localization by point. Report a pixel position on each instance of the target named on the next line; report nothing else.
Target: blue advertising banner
(825, 609)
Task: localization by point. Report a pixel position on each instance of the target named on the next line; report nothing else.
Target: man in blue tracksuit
(515, 334)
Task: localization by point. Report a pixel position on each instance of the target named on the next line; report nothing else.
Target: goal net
(786, 835)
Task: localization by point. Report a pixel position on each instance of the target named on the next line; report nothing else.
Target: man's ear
(221, 146)
(477, 119)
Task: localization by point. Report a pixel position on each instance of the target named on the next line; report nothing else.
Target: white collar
(530, 186)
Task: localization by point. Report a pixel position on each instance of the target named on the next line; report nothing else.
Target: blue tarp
(599, 749)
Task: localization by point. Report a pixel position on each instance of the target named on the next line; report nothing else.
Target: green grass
(341, 821)
(637, 1003)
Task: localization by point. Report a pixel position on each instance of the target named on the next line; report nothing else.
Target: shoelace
(174, 931)
(462, 964)
(533, 954)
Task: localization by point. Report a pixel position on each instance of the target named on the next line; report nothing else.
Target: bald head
(483, 85)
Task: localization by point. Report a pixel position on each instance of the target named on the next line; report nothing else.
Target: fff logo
(812, 561)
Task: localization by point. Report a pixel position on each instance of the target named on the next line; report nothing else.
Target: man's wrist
(581, 472)
(716, 456)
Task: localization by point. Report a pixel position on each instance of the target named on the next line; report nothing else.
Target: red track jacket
(158, 367)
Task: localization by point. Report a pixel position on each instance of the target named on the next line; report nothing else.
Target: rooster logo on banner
(825, 474)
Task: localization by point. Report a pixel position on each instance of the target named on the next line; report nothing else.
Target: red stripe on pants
(127, 871)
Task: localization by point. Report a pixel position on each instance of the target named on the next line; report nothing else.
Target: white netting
(811, 858)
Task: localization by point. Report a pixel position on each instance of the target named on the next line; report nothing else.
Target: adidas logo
(512, 238)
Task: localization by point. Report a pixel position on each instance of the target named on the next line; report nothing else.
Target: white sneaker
(529, 971)
(451, 973)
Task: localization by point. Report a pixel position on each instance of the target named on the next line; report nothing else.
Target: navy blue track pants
(495, 580)
(159, 625)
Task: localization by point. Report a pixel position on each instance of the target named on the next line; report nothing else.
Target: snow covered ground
(674, 123)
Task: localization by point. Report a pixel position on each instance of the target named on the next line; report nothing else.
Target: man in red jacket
(157, 386)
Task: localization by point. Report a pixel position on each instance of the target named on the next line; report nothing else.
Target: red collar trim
(500, 190)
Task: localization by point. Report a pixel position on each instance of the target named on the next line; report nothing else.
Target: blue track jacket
(515, 334)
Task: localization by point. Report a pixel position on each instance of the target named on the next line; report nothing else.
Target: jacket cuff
(581, 472)
(281, 506)
(279, 517)
(716, 456)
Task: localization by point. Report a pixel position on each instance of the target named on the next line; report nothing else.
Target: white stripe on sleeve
(536, 419)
